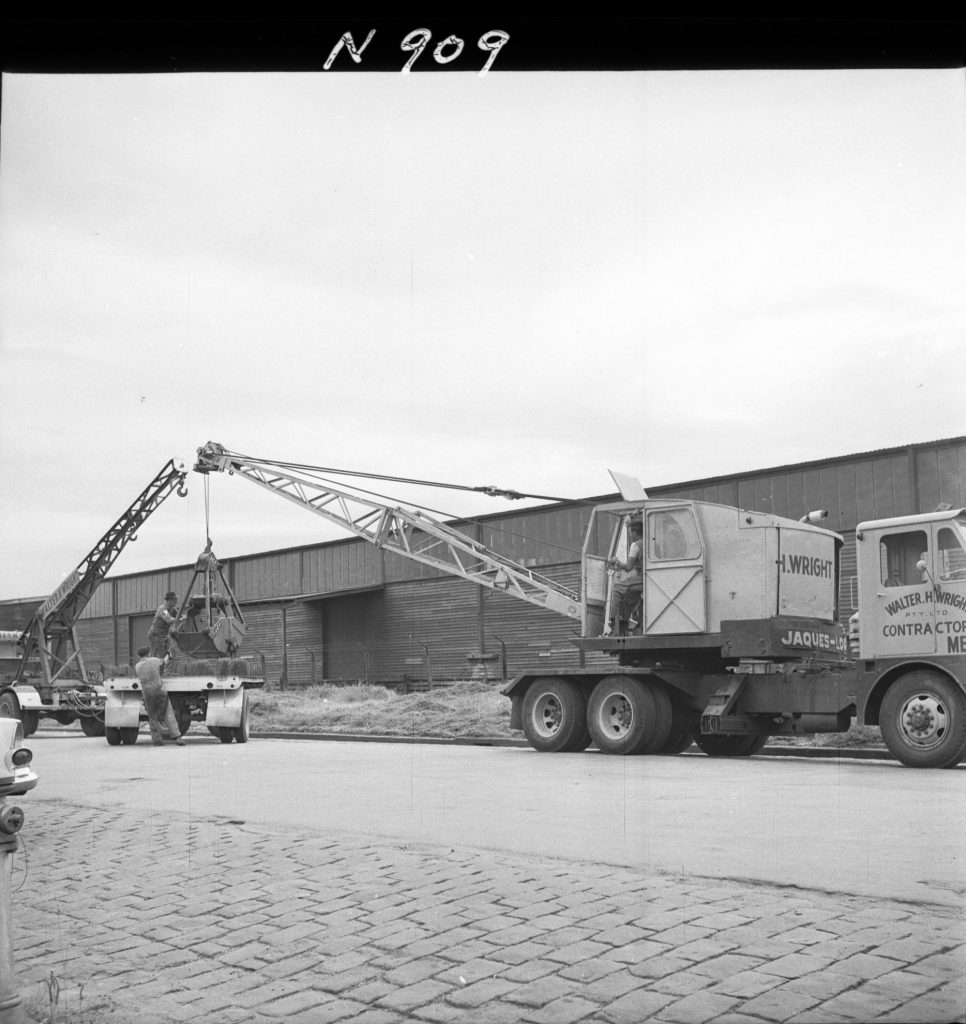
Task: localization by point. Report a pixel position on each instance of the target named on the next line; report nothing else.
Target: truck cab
(912, 585)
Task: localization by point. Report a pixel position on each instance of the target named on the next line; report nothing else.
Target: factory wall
(346, 611)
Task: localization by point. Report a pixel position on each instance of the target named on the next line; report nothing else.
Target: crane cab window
(952, 557)
(672, 535)
(898, 555)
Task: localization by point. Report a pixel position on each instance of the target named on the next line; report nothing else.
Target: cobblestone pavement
(135, 919)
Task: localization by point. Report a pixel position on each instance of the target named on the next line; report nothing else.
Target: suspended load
(212, 625)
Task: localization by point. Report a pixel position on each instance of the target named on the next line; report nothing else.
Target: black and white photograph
(591, 647)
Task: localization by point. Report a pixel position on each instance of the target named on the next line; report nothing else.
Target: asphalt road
(867, 828)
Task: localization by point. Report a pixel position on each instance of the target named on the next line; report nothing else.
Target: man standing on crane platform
(164, 618)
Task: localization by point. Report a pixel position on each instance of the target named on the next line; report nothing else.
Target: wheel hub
(547, 715)
(923, 720)
(617, 715)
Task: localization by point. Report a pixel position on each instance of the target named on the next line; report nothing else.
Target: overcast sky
(521, 279)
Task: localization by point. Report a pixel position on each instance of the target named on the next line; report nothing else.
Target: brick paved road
(247, 924)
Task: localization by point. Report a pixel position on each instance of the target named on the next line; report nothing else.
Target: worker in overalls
(159, 635)
(156, 703)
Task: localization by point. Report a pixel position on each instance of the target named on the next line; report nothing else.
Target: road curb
(778, 750)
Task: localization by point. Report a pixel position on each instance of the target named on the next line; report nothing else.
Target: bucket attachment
(212, 625)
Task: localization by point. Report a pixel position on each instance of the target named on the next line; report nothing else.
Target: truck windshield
(898, 555)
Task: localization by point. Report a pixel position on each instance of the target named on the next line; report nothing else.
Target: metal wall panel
(264, 576)
(532, 636)
(303, 642)
(264, 637)
(124, 655)
(96, 640)
(949, 476)
(398, 569)
(442, 614)
(101, 603)
(346, 623)
(178, 579)
(538, 538)
(137, 633)
(812, 479)
(865, 489)
(17, 614)
(140, 593)
(344, 565)
(838, 490)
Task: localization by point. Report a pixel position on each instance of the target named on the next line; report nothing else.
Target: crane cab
(706, 564)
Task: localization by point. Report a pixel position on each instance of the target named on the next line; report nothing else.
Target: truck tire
(113, 735)
(29, 720)
(92, 725)
(722, 745)
(129, 735)
(629, 716)
(555, 716)
(182, 714)
(10, 706)
(684, 722)
(923, 720)
(240, 732)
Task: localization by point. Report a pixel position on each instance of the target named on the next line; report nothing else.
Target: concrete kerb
(776, 750)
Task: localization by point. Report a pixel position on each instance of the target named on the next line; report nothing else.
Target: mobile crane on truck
(208, 625)
(734, 636)
(51, 679)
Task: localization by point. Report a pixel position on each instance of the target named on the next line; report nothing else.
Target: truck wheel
(182, 714)
(555, 716)
(721, 745)
(684, 721)
(241, 732)
(113, 735)
(30, 720)
(10, 707)
(129, 735)
(92, 725)
(923, 720)
(629, 716)
(225, 733)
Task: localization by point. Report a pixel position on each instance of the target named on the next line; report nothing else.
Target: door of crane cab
(674, 571)
(671, 596)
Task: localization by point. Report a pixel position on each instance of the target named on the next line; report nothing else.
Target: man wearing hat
(164, 618)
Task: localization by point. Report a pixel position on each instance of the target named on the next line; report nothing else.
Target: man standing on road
(164, 618)
(156, 702)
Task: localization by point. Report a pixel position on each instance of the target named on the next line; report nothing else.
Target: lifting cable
(316, 471)
(207, 515)
(488, 489)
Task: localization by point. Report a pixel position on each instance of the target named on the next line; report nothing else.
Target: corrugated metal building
(344, 610)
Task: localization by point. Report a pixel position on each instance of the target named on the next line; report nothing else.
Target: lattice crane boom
(52, 626)
(407, 532)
